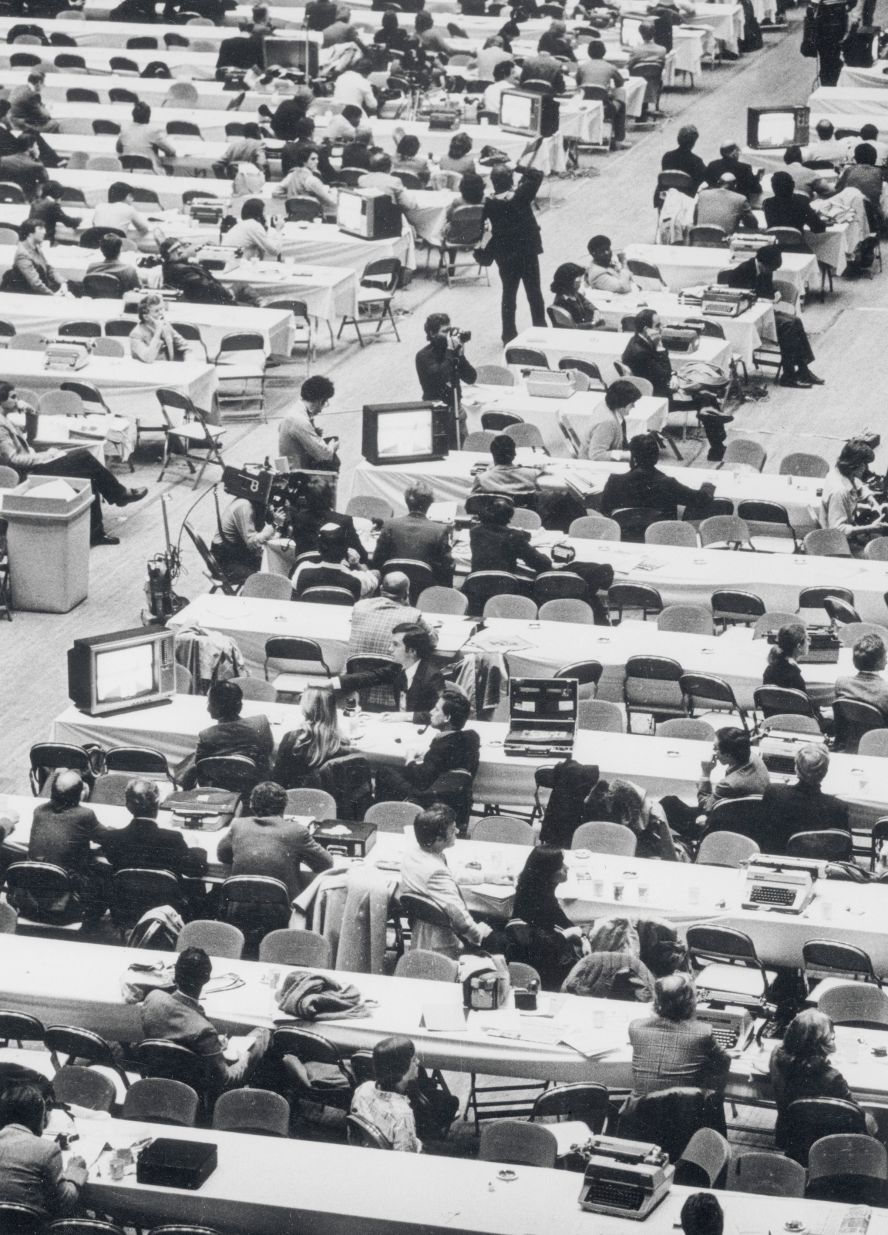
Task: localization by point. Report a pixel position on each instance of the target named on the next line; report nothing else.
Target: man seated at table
(454, 748)
(827, 149)
(352, 86)
(645, 356)
(416, 536)
(746, 181)
(787, 208)
(597, 71)
(374, 618)
(125, 273)
(232, 734)
(197, 284)
(672, 1048)
(745, 775)
(266, 843)
(606, 271)
(346, 126)
(608, 438)
(804, 178)
(556, 42)
(545, 70)
(142, 843)
(721, 205)
(19, 163)
(62, 830)
(432, 38)
(867, 685)
(802, 807)
(298, 436)
(15, 452)
(119, 213)
(683, 159)
(380, 177)
(339, 567)
(647, 51)
(496, 546)
(502, 475)
(870, 135)
(138, 138)
(31, 1168)
(48, 210)
(413, 679)
(178, 1016)
(757, 275)
(505, 77)
(425, 872)
(864, 175)
(26, 107)
(645, 485)
(304, 181)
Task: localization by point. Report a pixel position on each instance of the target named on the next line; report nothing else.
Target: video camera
(281, 493)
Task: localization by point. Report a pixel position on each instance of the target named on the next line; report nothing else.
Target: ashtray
(795, 1225)
(506, 1175)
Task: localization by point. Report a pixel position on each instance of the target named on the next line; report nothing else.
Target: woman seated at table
(845, 491)
(154, 338)
(800, 1068)
(408, 158)
(612, 967)
(31, 271)
(672, 1047)
(304, 750)
(383, 1103)
(252, 234)
(458, 157)
(539, 932)
(392, 36)
(304, 180)
(566, 284)
(782, 668)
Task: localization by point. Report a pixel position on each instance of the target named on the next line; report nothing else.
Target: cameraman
(442, 367)
(298, 437)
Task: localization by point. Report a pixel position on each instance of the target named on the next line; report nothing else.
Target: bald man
(61, 833)
(802, 807)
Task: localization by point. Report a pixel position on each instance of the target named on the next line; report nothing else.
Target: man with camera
(442, 367)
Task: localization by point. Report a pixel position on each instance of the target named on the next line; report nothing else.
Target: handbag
(809, 40)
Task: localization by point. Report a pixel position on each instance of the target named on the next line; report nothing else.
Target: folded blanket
(309, 996)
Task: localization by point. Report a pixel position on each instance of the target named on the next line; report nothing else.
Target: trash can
(48, 542)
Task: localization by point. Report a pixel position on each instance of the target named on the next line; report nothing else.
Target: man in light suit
(416, 536)
(867, 685)
(424, 872)
(609, 439)
(31, 1171)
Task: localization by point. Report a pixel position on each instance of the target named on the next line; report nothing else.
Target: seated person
(338, 567)
(379, 176)
(606, 271)
(318, 738)
(353, 86)
(455, 748)
(802, 807)
(782, 668)
(492, 54)
(414, 679)
(673, 1048)
(139, 138)
(178, 1016)
(746, 181)
(431, 38)
(31, 272)
(252, 233)
(62, 831)
(556, 42)
(502, 476)
(863, 174)
(459, 156)
(645, 485)
(351, 121)
(143, 843)
(647, 52)
(789, 208)
(869, 133)
(612, 967)
(609, 439)
(374, 618)
(197, 284)
(424, 872)
(846, 493)
(304, 181)
(539, 932)
(505, 75)
(722, 205)
(496, 546)
(417, 537)
(383, 1102)
(597, 71)
(154, 338)
(867, 685)
(626, 804)
(119, 213)
(645, 356)
(125, 273)
(471, 193)
(757, 275)
(233, 734)
(48, 209)
(31, 1168)
(390, 35)
(249, 147)
(567, 286)
(745, 775)
(266, 843)
(683, 159)
(408, 158)
(800, 1068)
(804, 178)
(240, 537)
(310, 509)
(546, 70)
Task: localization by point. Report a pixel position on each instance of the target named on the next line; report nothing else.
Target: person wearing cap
(802, 807)
(683, 159)
(606, 271)
(757, 275)
(746, 181)
(787, 208)
(721, 205)
(609, 439)
(338, 568)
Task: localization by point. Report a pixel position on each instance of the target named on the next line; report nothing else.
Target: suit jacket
(448, 752)
(248, 735)
(745, 179)
(421, 694)
(649, 362)
(797, 211)
(685, 161)
(63, 836)
(427, 874)
(502, 548)
(514, 229)
(177, 1017)
(865, 688)
(751, 778)
(372, 622)
(415, 536)
(650, 487)
(787, 809)
(273, 847)
(31, 1173)
(143, 843)
(748, 275)
(667, 1053)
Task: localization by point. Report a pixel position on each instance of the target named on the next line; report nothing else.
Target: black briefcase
(170, 1163)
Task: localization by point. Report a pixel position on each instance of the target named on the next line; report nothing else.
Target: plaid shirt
(372, 623)
(667, 1053)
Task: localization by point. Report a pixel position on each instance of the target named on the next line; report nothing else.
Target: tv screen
(630, 31)
(123, 669)
(124, 673)
(404, 433)
(519, 113)
(351, 213)
(407, 432)
(770, 128)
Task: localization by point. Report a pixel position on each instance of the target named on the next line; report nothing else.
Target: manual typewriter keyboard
(773, 896)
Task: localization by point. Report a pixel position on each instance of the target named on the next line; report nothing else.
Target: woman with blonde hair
(303, 751)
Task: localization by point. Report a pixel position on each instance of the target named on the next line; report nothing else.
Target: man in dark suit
(757, 275)
(645, 485)
(645, 356)
(416, 536)
(455, 748)
(143, 843)
(683, 159)
(266, 843)
(61, 832)
(746, 181)
(515, 241)
(232, 734)
(414, 680)
(802, 807)
(790, 209)
(338, 567)
(496, 546)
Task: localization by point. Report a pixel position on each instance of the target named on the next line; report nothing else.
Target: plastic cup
(619, 889)
(598, 888)
(643, 893)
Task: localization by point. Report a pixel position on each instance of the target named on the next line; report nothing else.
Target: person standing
(515, 241)
(442, 366)
(830, 28)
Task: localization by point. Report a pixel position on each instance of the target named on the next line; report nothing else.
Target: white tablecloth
(876, 76)
(835, 101)
(606, 346)
(179, 59)
(194, 155)
(683, 266)
(78, 117)
(833, 246)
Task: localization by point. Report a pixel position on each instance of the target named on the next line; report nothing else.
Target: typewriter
(542, 718)
(785, 885)
(203, 210)
(680, 338)
(67, 354)
(823, 646)
(628, 1179)
(550, 383)
(721, 301)
(731, 1025)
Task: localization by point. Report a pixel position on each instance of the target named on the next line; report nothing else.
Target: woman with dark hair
(390, 35)
(613, 968)
(408, 159)
(782, 668)
(240, 539)
(383, 1103)
(458, 157)
(566, 284)
(539, 932)
(252, 233)
(845, 490)
(800, 1067)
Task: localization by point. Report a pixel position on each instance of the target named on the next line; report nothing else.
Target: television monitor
(769, 128)
(407, 432)
(529, 114)
(630, 30)
(301, 54)
(124, 669)
(368, 213)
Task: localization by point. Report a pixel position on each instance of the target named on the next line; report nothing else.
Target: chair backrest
(518, 1143)
(832, 957)
(504, 830)
(730, 607)
(216, 938)
(688, 728)
(520, 608)
(800, 464)
(252, 1110)
(576, 611)
(651, 684)
(364, 1134)
(267, 586)
(671, 532)
(480, 585)
(438, 599)
(639, 597)
(827, 542)
(687, 619)
(782, 700)
(724, 529)
(392, 816)
(584, 1101)
(432, 966)
(725, 849)
(745, 450)
(311, 803)
(848, 1167)
(827, 844)
(161, 1100)
(594, 527)
(255, 903)
(494, 375)
(478, 440)
(742, 815)
(705, 1160)
(602, 837)
(852, 721)
(296, 947)
(559, 584)
(526, 357)
(854, 1003)
(600, 715)
(874, 742)
(809, 1119)
(768, 1174)
(670, 1117)
(84, 1087)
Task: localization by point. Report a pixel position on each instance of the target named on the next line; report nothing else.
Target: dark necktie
(624, 440)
